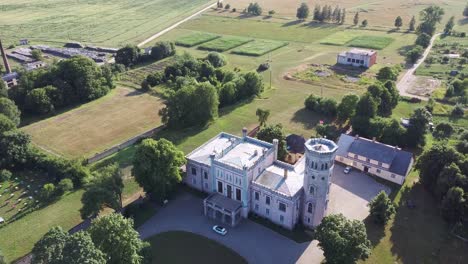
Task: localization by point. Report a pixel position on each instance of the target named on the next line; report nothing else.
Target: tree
(453, 205)
(6, 124)
(317, 13)
(381, 208)
(105, 190)
(156, 167)
(432, 162)
(227, 94)
(269, 133)
(216, 59)
(430, 17)
(5, 175)
(191, 105)
(3, 89)
(367, 106)
(115, 236)
(443, 130)
(364, 23)
(356, 19)
(15, 146)
(465, 11)
(457, 111)
(162, 49)
(251, 85)
(49, 249)
(414, 54)
(79, 249)
(303, 12)
(325, 106)
(254, 9)
(342, 241)
(393, 133)
(387, 73)
(329, 131)
(65, 185)
(412, 24)
(449, 26)
(449, 177)
(271, 12)
(343, 16)
(37, 101)
(262, 115)
(347, 107)
(48, 192)
(128, 55)
(419, 122)
(398, 22)
(36, 54)
(10, 110)
(227, 6)
(423, 40)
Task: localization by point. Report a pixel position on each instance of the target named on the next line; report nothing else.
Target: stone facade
(246, 171)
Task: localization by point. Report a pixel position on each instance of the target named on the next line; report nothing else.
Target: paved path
(409, 79)
(164, 31)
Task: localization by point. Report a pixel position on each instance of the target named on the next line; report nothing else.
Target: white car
(220, 230)
(347, 169)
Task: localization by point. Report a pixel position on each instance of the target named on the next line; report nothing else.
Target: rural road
(164, 31)
(409, 79)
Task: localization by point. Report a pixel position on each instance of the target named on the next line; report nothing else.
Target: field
(101, 22)
(98, 125)
(370, 42)
(259, 47)
(196, 249)
(340, 38)
(195, 39)
(224, 43)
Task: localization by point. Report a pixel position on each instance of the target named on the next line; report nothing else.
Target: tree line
(198, 87)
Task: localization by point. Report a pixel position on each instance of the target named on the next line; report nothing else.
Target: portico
(223, 209)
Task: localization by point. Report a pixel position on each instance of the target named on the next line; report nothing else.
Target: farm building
(11, 79)
(358, 58)
(381, 160)
(34, 65)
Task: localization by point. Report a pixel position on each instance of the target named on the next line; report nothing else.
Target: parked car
(220, 230)
(347, 170)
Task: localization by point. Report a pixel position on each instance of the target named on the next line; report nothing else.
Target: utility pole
(5, 59)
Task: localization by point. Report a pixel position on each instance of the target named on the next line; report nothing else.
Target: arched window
(311, 190)
(309, 208)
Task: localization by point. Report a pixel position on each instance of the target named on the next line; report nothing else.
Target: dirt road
(409, 79)
(162, 32)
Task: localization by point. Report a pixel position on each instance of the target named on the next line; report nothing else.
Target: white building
(358, 58)
(243, 175)
(384, 161)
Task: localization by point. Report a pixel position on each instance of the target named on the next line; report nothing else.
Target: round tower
(320, 157)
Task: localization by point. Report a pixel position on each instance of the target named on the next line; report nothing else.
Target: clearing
(101, 22)
(370, 42)
(195, 39)
(259, 47)
(224, 43)
(98, 125)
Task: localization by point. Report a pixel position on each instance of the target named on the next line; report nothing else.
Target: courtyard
(349, 194)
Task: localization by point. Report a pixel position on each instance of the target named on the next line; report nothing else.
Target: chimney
(356, 137)
(373, 139)
(275, 147)
(244, 132)
(285, 173)
(5, 59)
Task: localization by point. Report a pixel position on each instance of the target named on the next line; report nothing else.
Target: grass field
(224, 43)
(259, 47)
(101, 22)
(370, 42)
(166, 248)
(195, 39)
(98, 125)
(340, 38)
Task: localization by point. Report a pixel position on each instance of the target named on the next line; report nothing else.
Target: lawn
(259, 47)
(101, 22)
(195, 39)
(99, 125)
(370, 42)
(340, 38)
(185, 248)
(224, 43)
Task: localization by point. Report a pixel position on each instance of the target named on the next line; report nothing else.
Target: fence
(106, 153)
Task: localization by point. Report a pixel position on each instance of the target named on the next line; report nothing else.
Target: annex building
(381, 160)
(243, 175)
(358, 58)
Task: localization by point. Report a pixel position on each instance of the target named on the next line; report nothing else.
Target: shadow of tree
(308, 118)
(463, 21)
(292, 23)
(375, 232)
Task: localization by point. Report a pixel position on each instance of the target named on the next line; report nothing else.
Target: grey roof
(399, 160)
(10, 76)
(273, 178)
(224, 202)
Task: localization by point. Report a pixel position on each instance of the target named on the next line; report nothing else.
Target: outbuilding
(358, 58)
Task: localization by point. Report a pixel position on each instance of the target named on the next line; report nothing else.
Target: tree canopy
(419, 122)
(398, 22)
(269, 133)
(347, 107)
(343, 241)
(381, 208)
(262, 115)
(10, 110)
(128, 55)
(163, 49)
(156, 167)
(302, 11)
(254, 9)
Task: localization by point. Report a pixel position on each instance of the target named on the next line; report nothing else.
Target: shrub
(234, 10)
(254, 9)
(227, 7)
(458, 111)
(155, 78)
(162, 49)
(326, 106)
(5, 175)
(48, 192)
(64, 186)
(216, 59)
(263, 67)
(145, 85)
(414, 54)
(423, 40)
(443, 130)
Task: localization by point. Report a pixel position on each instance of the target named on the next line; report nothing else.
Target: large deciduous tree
(10, 110)
(412, 24)
(15, 149)
(419, 122)
(302, 12)
(115, 236)
(271, 132)
(162, 49)
(6, 124)
(343, 241)
(453, 205)
(398, 22)
(156, 167)
(262, 115)
(381, 208)
(423, 40)
(128, 55)
(449, 26)
(347, 107)
(430, 17)
(356, 19)
(105, 190)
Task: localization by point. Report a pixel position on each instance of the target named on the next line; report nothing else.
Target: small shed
(24, 42)
(295, 143)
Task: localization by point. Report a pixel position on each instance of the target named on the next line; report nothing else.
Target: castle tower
(320, 156)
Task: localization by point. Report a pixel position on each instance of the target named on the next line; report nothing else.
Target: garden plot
(224, 43)
(195, 39)
(340, 38)
(370, 42)
(259, 47)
